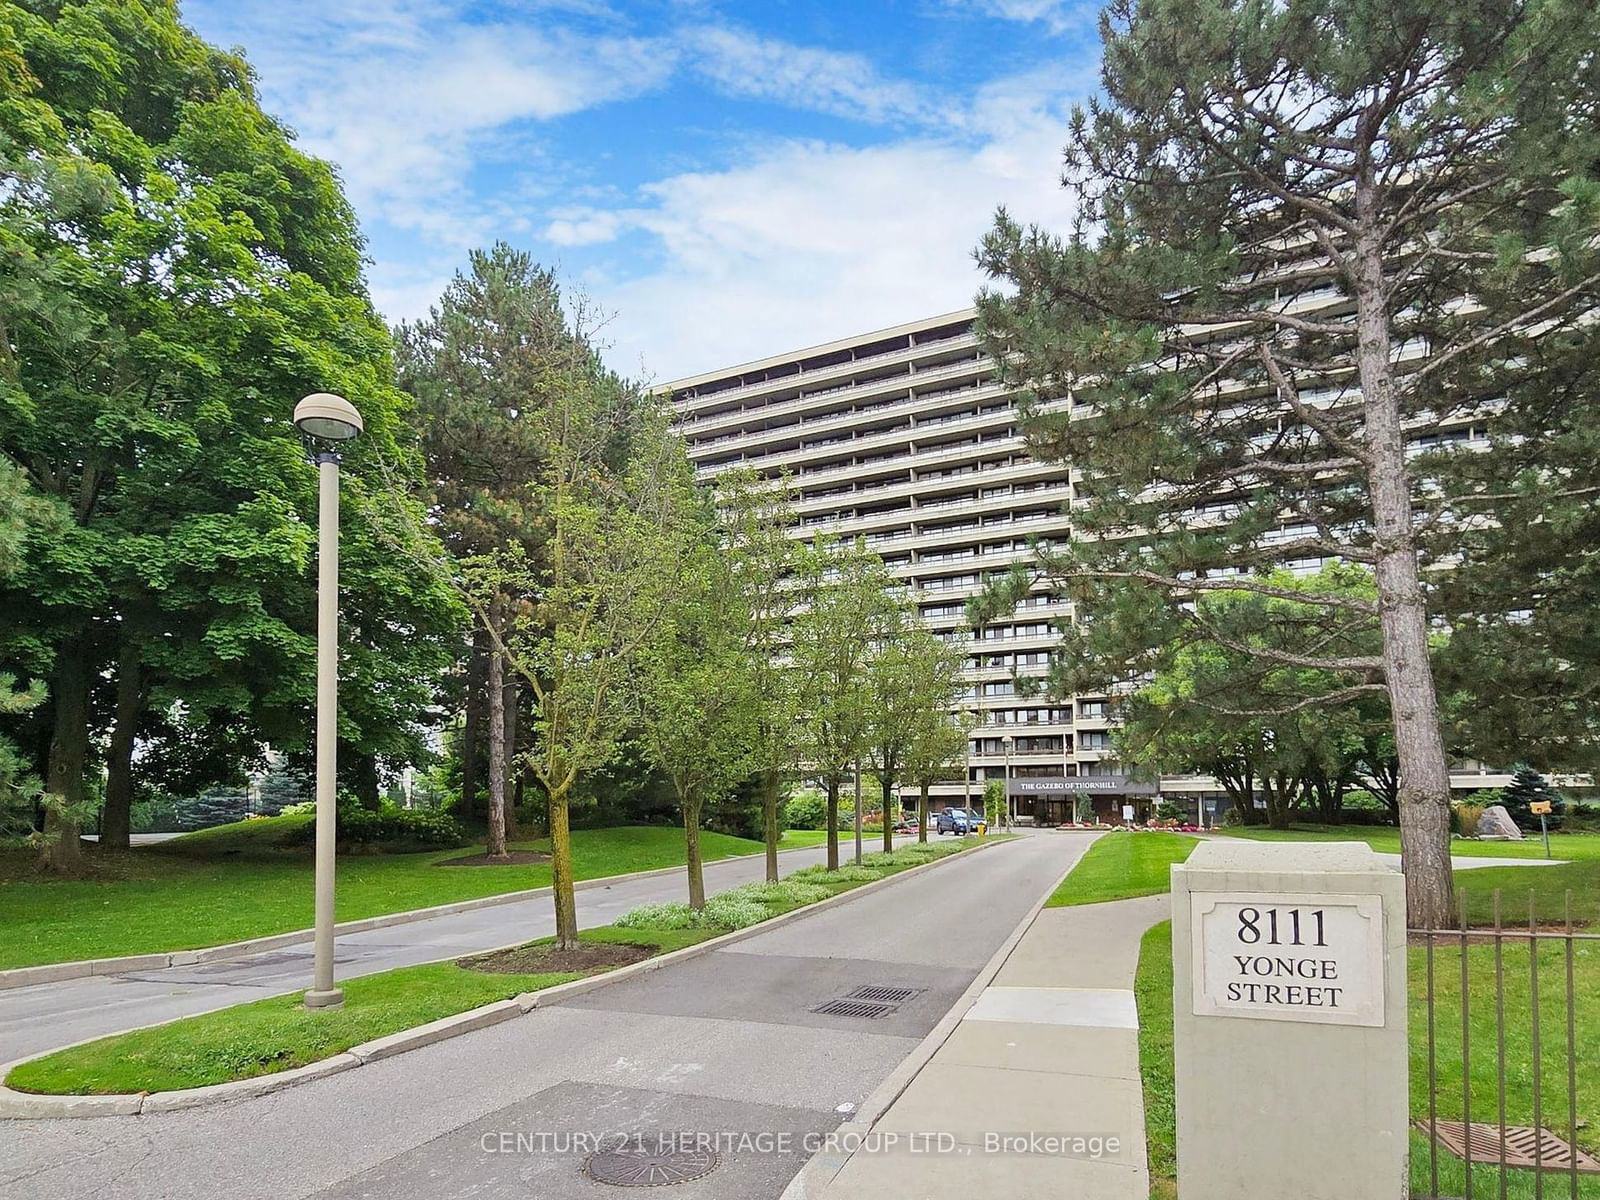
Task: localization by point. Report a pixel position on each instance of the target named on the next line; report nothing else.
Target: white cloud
(1058, 16)
(798, 241)
(408, 97)
(810, 241)
(802, 77)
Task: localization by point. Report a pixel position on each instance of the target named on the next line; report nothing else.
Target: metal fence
(1506, 1081)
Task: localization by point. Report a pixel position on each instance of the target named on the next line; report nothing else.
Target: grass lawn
(1549, 886)
(234, 882)
(278, 1034)
(1121, 865)
(1153, 991)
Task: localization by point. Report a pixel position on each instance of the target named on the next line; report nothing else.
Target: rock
(1496, 823)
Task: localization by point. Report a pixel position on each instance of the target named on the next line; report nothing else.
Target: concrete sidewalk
(1049, 1050)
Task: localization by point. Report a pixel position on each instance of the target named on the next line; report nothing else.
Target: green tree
(479, 367)
(996, 805)
(174, 275)
(1529, 787)
(1281, 211)
(755, 520)
(938, 745)
(848, 613)
(1283, 742)
(915, 678)
(1521, 666)
(696, 683)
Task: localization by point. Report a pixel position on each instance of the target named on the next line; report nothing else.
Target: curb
(15, 1105)
(820, 1169)
(81, 968)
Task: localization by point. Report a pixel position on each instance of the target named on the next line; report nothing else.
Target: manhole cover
(648, 1168)
(854, 1008)
(1523, 1146)
(887, 995)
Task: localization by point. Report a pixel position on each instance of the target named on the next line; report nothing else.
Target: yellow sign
(1539, 808)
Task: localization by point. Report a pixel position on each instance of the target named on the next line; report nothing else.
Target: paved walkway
(44, 1016)
(1049, 1050)
(728, 1044)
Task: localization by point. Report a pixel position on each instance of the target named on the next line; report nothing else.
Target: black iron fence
(1505, 1070)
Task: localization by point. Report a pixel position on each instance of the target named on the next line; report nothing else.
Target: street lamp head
(328, 417)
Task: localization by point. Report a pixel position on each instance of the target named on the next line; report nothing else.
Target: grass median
(278, 1034)
(1122, 865)
(236, 882)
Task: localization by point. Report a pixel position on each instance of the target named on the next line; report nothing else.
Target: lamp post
(966, 800)
(1011, 816)
(326, 420)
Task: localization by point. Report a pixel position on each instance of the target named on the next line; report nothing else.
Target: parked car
(957, 820)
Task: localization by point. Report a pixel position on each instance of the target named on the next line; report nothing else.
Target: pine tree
(1526, 788)
(1308, 234)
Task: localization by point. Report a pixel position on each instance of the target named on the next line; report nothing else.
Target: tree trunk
(508, 788)
(887, 787)
(472, 725)
(497, 758)
(922, 814)
(1280, 792)
(1383, 780)
(561, 893)
(769, 822)
(833, 824)
(116, 818)
(69, 756)
(691, 852)
(857, 821)
(1424, 771)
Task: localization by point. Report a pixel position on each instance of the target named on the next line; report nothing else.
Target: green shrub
(1581, 817)
(660, 916)
(731, 910)
(788, 893)
(806, 809)
(395, 830)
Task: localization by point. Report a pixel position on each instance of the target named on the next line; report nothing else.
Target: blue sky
(718, 181)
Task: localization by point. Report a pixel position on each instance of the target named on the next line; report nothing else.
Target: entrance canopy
(1076, 785)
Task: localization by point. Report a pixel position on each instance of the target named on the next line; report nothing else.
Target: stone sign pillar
(1289, 999)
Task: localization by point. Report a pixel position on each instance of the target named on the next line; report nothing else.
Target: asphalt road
(725, 1049)
(46, 1016)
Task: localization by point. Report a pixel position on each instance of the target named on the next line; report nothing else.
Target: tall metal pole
(1011, 814)
(323, 994)
(967, 797)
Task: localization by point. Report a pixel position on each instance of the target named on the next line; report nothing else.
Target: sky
(717, 181)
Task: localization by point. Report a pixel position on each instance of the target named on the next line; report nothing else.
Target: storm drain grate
(869, 1009)
(886, 995)
(648, 1168)
(1523, 1146)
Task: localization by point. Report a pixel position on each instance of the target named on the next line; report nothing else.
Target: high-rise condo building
(905, 438)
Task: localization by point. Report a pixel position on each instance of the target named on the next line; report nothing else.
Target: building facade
(905, 438)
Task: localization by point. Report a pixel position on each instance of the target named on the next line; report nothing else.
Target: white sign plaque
(1284, 956)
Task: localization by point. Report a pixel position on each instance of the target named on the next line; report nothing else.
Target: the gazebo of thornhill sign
(1054, 799)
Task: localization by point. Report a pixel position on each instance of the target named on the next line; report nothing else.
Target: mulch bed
(537, 960)
(512, 858)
